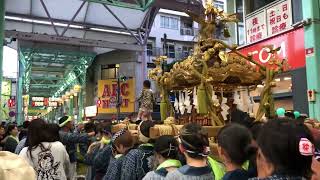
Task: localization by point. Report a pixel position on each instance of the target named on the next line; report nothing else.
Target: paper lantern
(77, 88)
(296, 114)
(281, 112)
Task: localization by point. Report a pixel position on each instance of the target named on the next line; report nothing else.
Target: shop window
(186, 51)
(254, 5)
(168, 22)
(109, 71)
(219, 4)
(149, 49)
(171, 51)
(241, 34)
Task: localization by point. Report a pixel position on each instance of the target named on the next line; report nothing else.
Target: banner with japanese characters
(266, 22)
(279, 17)
(256, 28)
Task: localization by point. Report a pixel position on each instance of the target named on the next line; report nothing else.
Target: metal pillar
(71, 106)
(80, 105)
(2, 14)
(118, 94)
(19, 100)
(311, 11)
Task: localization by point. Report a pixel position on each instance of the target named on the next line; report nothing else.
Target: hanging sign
(90, 111)
(310, 52)
(279, 17)
(256, 28)
(42, 101)
(107, 94)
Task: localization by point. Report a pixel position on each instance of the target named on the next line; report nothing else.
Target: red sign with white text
(292, 48)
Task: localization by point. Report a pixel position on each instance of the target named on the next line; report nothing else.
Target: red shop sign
(292, 48)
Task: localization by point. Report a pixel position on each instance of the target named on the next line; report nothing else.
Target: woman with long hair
(45, 153)
(285, 151)
(12, 138)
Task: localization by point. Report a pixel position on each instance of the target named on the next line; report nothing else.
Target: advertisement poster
(107, 93)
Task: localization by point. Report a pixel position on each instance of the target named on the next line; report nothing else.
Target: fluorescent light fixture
(109, 31)
(287, 78)
(278, 79)
(42, 22)
(76, 26)
(13, 18)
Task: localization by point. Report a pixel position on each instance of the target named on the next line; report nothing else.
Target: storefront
(291, 88)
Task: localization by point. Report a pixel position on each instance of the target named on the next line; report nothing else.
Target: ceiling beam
(131, 4)
(44, 86)
(60, 61)
(46, 78)
(71, 41)
(86, 26)
(194, 6)
(48, 69)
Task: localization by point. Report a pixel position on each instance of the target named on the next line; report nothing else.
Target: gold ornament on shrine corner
(216, 66)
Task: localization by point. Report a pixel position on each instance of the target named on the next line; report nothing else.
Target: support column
(2, 14)
(311, 10)
(80, 105)
(71, 106)
(19, 100)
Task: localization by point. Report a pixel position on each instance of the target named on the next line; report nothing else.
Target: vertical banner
(256, 28)
(107, 93)
(279, 17)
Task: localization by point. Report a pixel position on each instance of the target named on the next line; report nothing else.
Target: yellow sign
(107, 93)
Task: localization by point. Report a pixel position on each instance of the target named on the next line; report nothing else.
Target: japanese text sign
(256, 28)
(271, 20)
(279, 17)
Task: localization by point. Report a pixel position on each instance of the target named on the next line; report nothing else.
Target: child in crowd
(284, 151)
(166, 152)
(146, 101)
(122, 142)
(194, 144)
(138, 162)
(234, 142)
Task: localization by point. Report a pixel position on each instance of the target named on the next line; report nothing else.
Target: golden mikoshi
(216, 66)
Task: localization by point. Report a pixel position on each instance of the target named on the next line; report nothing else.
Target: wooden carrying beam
(155, 133)
(211, 130)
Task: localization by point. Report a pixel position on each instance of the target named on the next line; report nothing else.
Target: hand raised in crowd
(91, 134)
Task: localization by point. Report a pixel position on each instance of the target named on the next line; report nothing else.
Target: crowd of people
(279, 149)
(282, 148)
